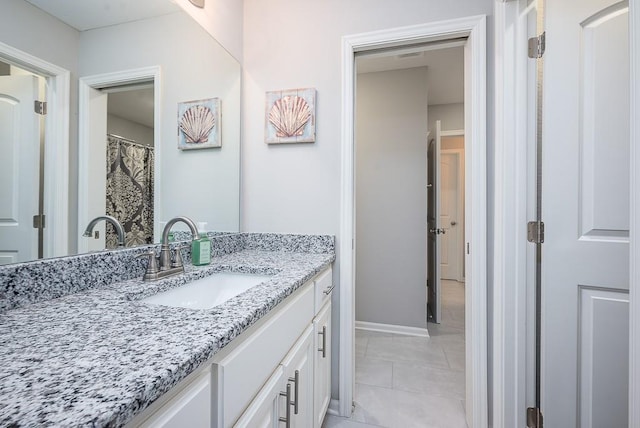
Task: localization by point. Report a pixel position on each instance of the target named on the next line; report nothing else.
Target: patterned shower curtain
(129, 191)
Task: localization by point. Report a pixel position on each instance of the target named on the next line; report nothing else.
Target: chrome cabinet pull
(287, 418)
(295, 380)
(324, 341)
(329, 290)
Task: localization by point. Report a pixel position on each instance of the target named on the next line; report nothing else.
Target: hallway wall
(391, 178)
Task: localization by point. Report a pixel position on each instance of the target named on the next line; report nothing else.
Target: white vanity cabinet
(246, 383)
(286, 399)
(188, 404)
(322, 364)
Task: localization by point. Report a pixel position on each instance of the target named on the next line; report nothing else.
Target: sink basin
(206, 293)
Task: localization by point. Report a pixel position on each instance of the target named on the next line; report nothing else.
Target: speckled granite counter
(98, 357)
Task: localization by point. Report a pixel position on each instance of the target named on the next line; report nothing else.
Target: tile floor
(405, 381)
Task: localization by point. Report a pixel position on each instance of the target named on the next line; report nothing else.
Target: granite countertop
(100, 356)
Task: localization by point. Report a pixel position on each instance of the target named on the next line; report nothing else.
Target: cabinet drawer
(240, 373)
(323, 285)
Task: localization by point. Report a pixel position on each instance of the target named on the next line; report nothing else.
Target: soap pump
(201, 247)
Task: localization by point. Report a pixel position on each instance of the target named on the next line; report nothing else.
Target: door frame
(56, 200)
(634, 249)
(100, 81)
(475, 148)
(459, 153)
(510, 335)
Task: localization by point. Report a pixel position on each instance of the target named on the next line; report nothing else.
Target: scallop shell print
(289, 115)
(196, 124)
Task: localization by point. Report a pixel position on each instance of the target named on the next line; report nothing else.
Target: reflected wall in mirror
(189, 64)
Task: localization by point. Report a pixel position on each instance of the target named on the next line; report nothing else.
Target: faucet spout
(114, 221)
(165, 252)
(170, 223)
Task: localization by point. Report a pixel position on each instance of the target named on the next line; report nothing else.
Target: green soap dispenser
(201, 250)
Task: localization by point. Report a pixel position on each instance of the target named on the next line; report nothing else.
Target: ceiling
(135, 105)
(89, 14)
(445, 68)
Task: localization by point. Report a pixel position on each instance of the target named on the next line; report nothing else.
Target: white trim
(56, 155)
(452, 133)
(103, 81)
(334, 407)
(634, 248)
(513, 256)
(475, 29)
(392, 328)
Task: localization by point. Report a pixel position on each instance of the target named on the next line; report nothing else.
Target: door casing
(474, 28)
(100, 81)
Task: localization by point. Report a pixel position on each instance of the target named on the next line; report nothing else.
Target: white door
(433, 225)
(19, 173)
(96, 184)
(449, 242)
(585, 207)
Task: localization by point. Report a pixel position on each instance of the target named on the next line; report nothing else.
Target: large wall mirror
(133, 71)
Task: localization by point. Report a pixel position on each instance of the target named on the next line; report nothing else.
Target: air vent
(410, 55)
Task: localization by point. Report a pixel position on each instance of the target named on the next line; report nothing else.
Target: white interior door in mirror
(19, 145)
(449, 242)
(585, 203)
(97, 172)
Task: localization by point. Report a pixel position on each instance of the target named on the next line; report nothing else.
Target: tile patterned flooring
(404, 381)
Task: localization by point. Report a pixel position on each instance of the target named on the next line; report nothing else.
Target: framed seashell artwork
(291, 116)
(199, 124)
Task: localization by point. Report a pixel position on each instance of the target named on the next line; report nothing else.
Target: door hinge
(534, 417)
(537, 46)
(40, 107)
(535, 232)
(38, 221)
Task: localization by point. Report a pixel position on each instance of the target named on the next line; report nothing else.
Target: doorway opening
(472, 30)
(34, 215)
(119, 154)
(22, 142)
(407, 220)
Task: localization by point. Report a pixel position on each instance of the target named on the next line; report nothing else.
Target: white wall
(451, 117)
(222, 19)
(297, 43)
(391, 203)
(201, 184)
(129, 129)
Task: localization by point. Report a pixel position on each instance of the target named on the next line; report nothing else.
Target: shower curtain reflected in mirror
(129, 191)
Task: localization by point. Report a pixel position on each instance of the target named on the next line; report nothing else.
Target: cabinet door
(322, 364)
(265, 410)
(191, 407)
(298, 370)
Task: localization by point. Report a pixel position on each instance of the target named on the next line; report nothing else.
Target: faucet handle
(177, 261)
(152, 266)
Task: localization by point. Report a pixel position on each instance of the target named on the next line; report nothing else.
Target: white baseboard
(334, 407)
(392, 328)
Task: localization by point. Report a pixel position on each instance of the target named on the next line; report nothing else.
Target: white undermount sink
(206, 293)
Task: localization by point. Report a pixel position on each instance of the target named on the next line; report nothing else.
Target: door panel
(604, 139)
(433, 225)
(585, 209)
(19, 175)
(604, 351)
(449, 216)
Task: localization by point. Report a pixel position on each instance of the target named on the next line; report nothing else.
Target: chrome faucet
(164, 266)
(114, 221)
(165, 252)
